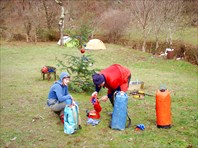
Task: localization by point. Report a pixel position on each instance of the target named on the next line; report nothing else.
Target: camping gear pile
(169, 53)
(48, 70)
(139, 94)
(94, 114)
(120, 113)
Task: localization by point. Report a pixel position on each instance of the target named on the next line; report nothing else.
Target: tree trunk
(144, 46)
(170, 37)
(28, 27)
(144, 42)
(61, 24)
(61, 20)
(156, 43)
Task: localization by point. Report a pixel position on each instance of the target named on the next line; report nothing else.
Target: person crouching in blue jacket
(59, 96)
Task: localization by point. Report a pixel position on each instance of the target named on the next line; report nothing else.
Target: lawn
(27, 122)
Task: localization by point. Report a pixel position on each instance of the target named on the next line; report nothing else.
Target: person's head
(98, 79)
(65, 78)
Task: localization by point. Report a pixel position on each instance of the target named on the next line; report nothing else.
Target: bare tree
(173, 19)
(27, 18)
(38, 22)
(142, 11)
(160, 12)
(49, 13)
(190, 12)
(25, 13)
(159, 19)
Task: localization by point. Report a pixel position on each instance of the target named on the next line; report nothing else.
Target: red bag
(95, 114)
(96, 104)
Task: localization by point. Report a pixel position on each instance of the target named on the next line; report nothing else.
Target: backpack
(71, 119)
(119, 116)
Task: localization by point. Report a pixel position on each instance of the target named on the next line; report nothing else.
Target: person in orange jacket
(115, 78)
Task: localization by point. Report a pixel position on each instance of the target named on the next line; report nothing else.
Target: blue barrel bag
(120, 114)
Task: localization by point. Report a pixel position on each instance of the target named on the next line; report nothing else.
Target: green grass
(186, 35)
(24, 114)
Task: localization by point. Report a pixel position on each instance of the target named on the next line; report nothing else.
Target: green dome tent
(69, 42)
(72, 43)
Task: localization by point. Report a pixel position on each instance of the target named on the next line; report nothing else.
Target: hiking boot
(110, 113)
(79, 126)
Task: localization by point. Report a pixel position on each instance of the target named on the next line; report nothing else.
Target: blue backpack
(119, 116)
(71, 119)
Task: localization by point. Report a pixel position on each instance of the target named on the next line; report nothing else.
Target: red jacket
(116, 76)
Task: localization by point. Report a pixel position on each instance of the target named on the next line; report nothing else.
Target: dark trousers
(112, 98)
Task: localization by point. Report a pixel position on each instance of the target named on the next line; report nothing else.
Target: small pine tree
(80, 70)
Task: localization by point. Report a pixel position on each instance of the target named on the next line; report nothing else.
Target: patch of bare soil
(182, 51)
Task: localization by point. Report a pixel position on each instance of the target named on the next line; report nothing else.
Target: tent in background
(72, 43)
(65, 40)
(95, 44)
(69, 42)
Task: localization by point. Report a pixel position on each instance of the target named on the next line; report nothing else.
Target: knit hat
(63, 75)
(98, 79)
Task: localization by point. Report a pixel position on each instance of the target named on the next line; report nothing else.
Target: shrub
(114, 23)
(47, 35)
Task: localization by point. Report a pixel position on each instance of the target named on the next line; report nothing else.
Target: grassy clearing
(27, 122)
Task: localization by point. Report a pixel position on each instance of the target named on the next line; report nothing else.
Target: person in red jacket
(115, 78)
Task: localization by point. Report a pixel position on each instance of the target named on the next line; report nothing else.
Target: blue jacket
(59, 91)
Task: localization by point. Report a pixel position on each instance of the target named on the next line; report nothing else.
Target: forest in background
(147, 25)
